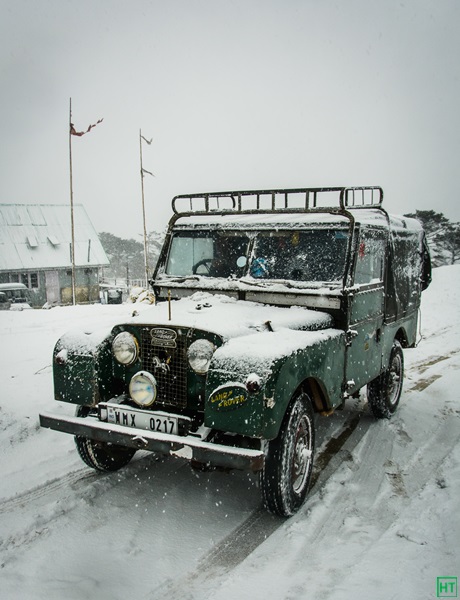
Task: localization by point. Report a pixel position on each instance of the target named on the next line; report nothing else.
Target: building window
(33, 280)
(30, 280)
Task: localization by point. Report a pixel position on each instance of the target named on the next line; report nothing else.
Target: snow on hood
(232, 318)
(227, 317)
(258, 352)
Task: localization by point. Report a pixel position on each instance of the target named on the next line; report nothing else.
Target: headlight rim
(135, 353)
(151, 379)
(192, 360)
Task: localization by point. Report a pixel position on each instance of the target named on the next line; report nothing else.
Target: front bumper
(201, 451)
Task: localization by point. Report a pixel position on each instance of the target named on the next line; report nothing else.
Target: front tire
(286, 476)
(101, 456)
(384, 392)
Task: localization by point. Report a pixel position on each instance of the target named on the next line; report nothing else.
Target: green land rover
(271, 306)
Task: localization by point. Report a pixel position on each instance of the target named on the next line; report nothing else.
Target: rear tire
(384, 392)
(101, 456)
(286, 476)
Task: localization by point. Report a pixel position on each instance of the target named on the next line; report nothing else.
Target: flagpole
(143, 215)
(72, 224)
(72, 131)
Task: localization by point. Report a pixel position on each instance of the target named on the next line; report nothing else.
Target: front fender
(322, 361)
(77, 365)
(282, 360)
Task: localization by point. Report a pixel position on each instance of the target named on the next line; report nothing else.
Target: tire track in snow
(73, 480)
(46, 489)
(42, 508)
(353, 510)
(375, 473)
(260, 525)
(390, 475)
(420, 368)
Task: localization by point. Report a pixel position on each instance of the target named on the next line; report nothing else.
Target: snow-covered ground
(381, 522)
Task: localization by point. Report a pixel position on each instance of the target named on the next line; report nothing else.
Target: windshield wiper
(299, 285)
(181, 279)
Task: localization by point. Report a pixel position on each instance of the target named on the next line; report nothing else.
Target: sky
(235, 95)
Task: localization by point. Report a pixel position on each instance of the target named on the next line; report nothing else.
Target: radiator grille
(169, 367)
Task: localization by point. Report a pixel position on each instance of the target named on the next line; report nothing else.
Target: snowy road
(381, 520)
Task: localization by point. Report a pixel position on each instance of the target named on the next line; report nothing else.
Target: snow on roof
(271, 220)
(283, 220)
(38, 237)
(401, 223)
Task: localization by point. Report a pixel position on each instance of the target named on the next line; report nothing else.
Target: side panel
(405, 275)
(366, 308)
(405, 329)
(364, 353)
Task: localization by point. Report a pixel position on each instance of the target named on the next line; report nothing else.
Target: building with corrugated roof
(35, 249)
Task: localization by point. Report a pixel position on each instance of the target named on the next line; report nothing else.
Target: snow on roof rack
(272, 201)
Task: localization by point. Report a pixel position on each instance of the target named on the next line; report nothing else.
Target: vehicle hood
(219, 314)
(231, 318)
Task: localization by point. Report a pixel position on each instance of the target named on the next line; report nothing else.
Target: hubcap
(302, 455)
(395, 380)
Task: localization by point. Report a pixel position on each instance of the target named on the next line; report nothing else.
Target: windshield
(210, 253)
(302, 255)
(309, 255)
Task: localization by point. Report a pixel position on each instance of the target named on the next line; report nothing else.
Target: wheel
(101, 456)
(286, 476)
(384, 392)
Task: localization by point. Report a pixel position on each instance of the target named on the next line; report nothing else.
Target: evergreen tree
(450, 240)
(432, 221)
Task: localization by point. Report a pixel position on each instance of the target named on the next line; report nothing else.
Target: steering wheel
(205, 262)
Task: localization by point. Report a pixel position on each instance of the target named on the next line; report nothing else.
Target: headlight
(125, 348)
(199, 355)
(143, 388)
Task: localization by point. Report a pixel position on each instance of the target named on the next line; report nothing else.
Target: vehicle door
(365, 311)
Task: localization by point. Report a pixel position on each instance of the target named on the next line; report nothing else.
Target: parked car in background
(16, 296)
(110, 294)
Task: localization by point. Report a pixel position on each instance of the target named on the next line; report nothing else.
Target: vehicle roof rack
(334, 199)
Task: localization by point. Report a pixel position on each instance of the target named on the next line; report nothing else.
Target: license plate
(130, 417)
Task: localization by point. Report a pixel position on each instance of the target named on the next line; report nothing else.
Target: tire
(286, 476)
(101, 456)
(384, 392)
